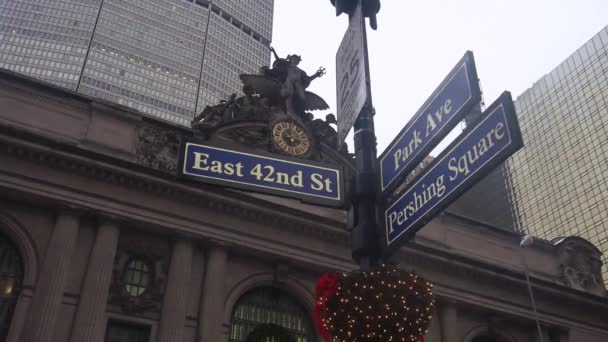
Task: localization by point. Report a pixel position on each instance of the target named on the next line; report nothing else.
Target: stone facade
(87, 186)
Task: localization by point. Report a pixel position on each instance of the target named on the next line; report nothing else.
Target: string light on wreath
(387, 304)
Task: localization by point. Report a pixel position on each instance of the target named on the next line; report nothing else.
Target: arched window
(11, 277)
(268, 314)
(137, 276)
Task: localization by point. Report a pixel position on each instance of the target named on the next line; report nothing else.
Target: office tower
(488, 201)
(166, 58)
(559, 179)
(47, 39)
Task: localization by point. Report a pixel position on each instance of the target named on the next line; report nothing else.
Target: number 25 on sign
(351, 79)
(351, 75)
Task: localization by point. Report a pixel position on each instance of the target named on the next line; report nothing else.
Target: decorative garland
(385, 304)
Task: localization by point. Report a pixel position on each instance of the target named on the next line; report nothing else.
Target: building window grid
(164, 27)
(72, 22)
(221, 78)
(587, 112)
(45, 45)
(176, 95)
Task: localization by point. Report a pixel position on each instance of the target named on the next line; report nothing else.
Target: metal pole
(526, 242)
(365, 249)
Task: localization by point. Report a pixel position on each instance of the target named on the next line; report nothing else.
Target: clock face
(291, 138)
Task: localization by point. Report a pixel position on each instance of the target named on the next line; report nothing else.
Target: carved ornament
(157, 147)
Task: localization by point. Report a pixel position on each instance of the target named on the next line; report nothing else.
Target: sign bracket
(364, 236)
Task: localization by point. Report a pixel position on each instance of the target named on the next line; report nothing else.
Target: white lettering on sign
(262, 173)
(201, 162)
(351, 79)
(459, 166)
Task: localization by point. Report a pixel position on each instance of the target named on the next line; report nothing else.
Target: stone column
(90, 323)
(559, 334)
(212, 299)
(48, 294)
(175, 302)
(449, 320)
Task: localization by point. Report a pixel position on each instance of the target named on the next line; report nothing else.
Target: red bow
(327, 287)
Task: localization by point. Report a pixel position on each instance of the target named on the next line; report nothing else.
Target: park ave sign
(483, 146)
(444, 109)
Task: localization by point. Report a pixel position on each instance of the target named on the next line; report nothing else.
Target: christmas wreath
(385, 304)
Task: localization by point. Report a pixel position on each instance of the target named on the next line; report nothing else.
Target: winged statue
(285, 85)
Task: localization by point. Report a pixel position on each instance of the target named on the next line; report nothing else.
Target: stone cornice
(254, 209)
(74, 160)
(512, 284)
(129, 175)
(483, 272)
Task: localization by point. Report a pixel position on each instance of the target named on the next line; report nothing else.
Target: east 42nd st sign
(311, 182)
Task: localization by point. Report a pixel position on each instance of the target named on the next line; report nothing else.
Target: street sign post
(311, 182)
(478, 150)
(352, 75)
(450, 102)
(354, 102)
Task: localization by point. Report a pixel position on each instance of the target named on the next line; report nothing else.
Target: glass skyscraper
(559, 179)
(167, 58)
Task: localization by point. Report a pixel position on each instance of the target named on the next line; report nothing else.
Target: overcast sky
(515, 43)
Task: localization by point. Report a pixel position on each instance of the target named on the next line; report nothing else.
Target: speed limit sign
(351, 75)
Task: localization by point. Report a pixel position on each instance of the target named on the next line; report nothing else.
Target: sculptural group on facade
(275, 91)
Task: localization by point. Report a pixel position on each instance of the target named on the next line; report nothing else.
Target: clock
(291, 137)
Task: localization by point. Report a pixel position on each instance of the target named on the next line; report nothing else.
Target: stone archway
(485, 334)
(11, 282)
(21, 241)
(290, 286)
(270, 314)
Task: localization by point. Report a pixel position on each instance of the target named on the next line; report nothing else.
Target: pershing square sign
(479, 149)
(312, 182)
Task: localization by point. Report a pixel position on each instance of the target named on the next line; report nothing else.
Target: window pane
(118, 331)
(11, 276)
(270, 314)
(137, 277)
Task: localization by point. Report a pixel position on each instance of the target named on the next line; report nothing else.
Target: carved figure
(214, 115)
(324, 131)
(279, 67)
(157, 148)
(251, 107)
(294, 87)
(285, 85)
(580, 264)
